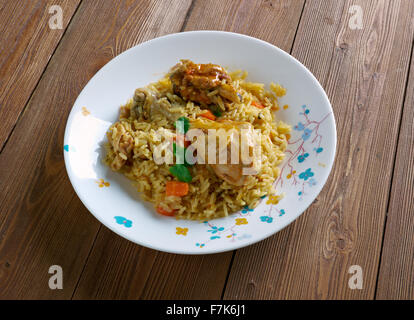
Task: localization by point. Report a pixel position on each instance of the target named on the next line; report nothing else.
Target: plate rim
(233, 246)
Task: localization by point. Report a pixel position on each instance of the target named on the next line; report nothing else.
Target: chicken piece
(231, 173)
(194, 82)
(227, 91)
(122, 143)
(143, 100)
(163, 106)
(237, 134)
(147, 104)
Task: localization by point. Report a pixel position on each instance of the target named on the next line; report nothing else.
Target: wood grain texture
(364, 73)
(396, 277)
(269, 20)
(119, 269)
(42, 221)
(26, 45)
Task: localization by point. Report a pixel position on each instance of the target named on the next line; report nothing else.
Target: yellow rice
(209, 196)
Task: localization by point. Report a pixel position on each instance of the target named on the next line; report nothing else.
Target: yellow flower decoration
(285, 106)
(182, 231)
(85, 112)
(290, 174)
(101, 183)
(273, 199)
(240, 221)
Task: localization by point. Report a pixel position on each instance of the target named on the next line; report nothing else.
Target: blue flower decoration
(266, 219)
(121, 220)
(200, 245)
(303, 157)
(214, 229)
(307, 111)
(66, 147)
(299, 127)
(319, 150)
(282, 212)
(246, 209)
(244, 236)
(312, 182)
(306, 174)
(299, 193)
(215, 237)
(306, 134)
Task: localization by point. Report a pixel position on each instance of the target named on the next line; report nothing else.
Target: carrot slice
(209, 115)
(183, 138)
(257, 105)
(164, 212)
(176, 188)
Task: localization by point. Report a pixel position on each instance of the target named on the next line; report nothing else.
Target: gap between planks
(190, 9)
(207, 24)
(182, 28)
(40, 78)
(234, 251)
(393, 167)
(385, 190)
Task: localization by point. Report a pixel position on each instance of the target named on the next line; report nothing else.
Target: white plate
(115, 202)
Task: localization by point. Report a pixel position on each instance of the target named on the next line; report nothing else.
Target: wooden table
(363, 216)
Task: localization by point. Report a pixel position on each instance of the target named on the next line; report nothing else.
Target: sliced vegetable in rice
(258, 105)
(182, 125)
(181, 172)
(176, 188)
(215, 110)
(179, 153)
(164, 212)
(209, 115)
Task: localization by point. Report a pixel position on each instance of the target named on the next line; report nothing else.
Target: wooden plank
(272, 21)
(26, 45)
(42, 221)
(364, 73)
(396, 277)
(119, 269)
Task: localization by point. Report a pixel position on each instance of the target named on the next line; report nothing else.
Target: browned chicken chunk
(147, 104)
(233, 173)
(194, 82)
